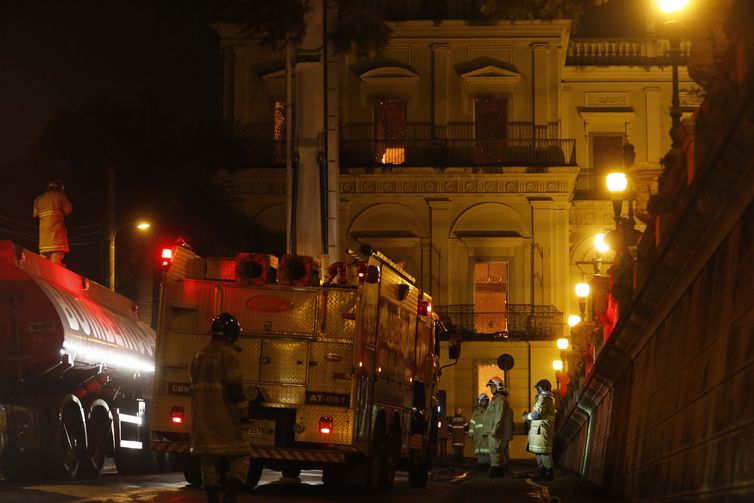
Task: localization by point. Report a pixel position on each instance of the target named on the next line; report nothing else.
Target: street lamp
(141, 225)
(573, 320)
(562, 343)
(674, 29)
(616, 185)
(582, 292)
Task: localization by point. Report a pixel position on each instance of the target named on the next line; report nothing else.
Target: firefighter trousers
(213, 466)
(498, 451)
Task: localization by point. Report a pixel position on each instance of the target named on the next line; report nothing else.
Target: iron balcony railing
(455, 145)
(520, 321)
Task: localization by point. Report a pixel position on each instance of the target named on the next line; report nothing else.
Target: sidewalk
(477, 486)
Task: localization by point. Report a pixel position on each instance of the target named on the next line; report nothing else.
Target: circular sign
(505, 362)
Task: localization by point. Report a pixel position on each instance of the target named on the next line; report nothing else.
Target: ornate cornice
(435, 184)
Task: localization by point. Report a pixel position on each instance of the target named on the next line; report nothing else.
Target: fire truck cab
(341, 374)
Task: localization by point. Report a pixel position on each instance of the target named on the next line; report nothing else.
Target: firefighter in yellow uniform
(542, 429)
(219, 407)
(476, 425)
(498, 426)
(51, 208)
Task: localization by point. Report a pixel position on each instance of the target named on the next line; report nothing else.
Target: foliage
(537, 9)
(272, 22)
(360, 28)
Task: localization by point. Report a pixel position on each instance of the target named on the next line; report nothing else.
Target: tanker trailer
(76, 369)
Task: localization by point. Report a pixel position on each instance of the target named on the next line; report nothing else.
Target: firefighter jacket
(51, 207)
(498, 419)
(458, 431)
(542, 429)
(476, 424)
(217, 401)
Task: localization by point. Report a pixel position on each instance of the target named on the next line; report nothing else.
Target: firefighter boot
(213, 494)
(544, 475)
(232, 487)
(496, 472)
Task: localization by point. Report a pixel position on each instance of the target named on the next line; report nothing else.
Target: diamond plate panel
(287, 395)
(339, 319)
(175, 353)
(221, 268)
(190, 307)
(309, 415)
(330, 367)
(284, 361)
(251, 351)
(264, 309)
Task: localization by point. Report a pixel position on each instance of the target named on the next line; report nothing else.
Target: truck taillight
(425, 308)
(177, 415)
(325, 425)
(166, 258)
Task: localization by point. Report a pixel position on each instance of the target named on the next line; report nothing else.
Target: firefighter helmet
(496, 384)
(56, 185)
(482, 396)
(226, 327)
(543, 385)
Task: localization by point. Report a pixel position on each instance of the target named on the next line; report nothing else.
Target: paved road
(446, 485)
(172, 488)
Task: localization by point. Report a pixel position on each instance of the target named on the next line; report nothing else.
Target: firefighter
(542, 430)
(498, 426)
(458, 435)
(476, 423)
(219, 408)
(51, 207)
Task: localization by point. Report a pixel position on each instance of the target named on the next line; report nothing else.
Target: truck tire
(191, 467)
(99, 435)
(418, 475)
(69, 448)
(376, 462)
(255, 473)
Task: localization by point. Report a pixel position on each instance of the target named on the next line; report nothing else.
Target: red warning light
(166, 258)
(177, 415)
(325, 425)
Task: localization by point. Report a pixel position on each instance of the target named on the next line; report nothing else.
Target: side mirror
(454, 346)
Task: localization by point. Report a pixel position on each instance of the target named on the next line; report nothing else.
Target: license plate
(260, 432)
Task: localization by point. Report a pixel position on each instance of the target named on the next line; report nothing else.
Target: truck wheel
(291, 473)
(99, 432)
(255, 473)
(70, 451)
(418, 475)
(376, 468)
(191, 467)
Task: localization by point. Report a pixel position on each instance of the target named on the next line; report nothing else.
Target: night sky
(58, 55)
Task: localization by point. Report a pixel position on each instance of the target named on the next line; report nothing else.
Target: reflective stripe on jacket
(458, 430)
(215, 419)
(51, 208)
(475, 432)
(542, 429)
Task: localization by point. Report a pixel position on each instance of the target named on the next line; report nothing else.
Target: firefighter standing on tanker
(498, 426)
(476, 425)
(51, 207)
(219, 407)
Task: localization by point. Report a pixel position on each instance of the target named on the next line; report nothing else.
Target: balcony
(622, 52)
(519, 321)
(455, 145)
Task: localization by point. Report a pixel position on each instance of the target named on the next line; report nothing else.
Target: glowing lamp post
(616, 185)
(582, 292)
(562, 344)
(574, 320)
(141, 226)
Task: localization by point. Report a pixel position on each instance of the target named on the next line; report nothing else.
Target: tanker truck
(76, 369)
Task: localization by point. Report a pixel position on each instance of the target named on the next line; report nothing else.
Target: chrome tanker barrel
(51, 316)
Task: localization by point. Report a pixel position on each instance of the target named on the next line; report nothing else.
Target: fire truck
(76, 368)
(341, 373)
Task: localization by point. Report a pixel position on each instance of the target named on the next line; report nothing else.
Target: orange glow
(325, 425)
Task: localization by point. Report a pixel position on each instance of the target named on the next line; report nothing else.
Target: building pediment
(382, 71)
(487, 70)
